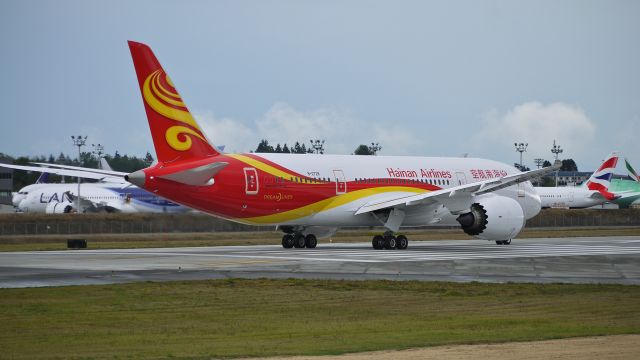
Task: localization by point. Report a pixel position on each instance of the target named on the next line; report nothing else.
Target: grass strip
(245, 318)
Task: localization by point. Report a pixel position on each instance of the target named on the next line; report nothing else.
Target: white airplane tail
(104, 165)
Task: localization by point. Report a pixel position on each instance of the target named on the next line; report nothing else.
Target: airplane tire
(287, 241)
(377, 242)
(402, 242)
(298, 241)
(310, 241)
(390, 243)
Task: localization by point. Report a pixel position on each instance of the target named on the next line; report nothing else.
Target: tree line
(298, 148)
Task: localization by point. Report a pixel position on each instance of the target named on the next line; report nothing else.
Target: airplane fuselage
(569, 197)
(327, 190)
(41, 198)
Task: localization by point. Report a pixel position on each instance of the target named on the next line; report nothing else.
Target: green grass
(234, 318)
(124, 241)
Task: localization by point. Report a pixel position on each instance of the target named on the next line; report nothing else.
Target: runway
(570, 260)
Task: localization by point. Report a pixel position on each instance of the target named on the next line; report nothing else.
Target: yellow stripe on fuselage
(326, 204)
(262, 166)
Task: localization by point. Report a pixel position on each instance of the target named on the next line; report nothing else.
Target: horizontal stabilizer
(85, 173)
(198, 176)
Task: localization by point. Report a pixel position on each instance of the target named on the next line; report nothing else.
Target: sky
(425, 78)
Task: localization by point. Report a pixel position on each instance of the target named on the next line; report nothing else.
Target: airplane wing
(84, 173)
(97, 171)
(458, 198)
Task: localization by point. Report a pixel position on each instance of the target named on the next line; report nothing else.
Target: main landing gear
(297, 240)
(388, 241)
(503, 242)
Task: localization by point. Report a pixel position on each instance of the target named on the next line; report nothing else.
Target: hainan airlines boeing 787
(311, 196)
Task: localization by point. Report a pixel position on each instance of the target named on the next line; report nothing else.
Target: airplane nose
(136, 178)
(16, 199)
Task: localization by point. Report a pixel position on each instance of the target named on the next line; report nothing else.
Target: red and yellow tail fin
(176, 135)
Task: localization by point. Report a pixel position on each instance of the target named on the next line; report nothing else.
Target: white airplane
(311, 196)
(595, 191)
(111, 194)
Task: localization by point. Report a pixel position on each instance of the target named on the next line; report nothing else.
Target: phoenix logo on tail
(176, 135)
(601, 178)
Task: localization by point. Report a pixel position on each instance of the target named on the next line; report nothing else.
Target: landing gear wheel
(298, 241)
(287, 241)
(402, 242)
(390, 242)
(377, 242)
(310, 241)
(503, 242)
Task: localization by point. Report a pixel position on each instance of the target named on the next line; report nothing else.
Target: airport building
(572, 178)
(6, 183)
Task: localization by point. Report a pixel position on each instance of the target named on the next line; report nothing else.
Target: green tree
(264, 147)
(285, 149)
(546, 163)
(569, 165)
(363, 150)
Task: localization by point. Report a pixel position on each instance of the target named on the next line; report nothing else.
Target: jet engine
(493, 218)
(55, 207)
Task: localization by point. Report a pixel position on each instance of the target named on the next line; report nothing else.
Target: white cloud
(538, 125)
(232, 134)
(282, 124)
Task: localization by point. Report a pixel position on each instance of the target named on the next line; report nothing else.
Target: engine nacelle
(55, 207)
(493, 218)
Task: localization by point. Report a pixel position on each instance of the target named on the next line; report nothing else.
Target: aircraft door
(570, 196)
(460, 179)
(341, 184)
(251, 181)
(521, 190)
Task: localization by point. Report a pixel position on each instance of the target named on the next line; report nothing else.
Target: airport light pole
(78, 141)
(556, 150)
(318, 146)
(538, 162)
(98, 150)
(374, 148)
(521, 147)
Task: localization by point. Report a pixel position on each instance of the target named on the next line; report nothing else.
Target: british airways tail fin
(601, 178)
(175, 133)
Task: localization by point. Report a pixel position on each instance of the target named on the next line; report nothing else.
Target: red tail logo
(176, 135)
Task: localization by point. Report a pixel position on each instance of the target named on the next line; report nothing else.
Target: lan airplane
(111, 194)
(311, 196)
